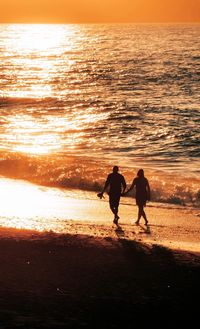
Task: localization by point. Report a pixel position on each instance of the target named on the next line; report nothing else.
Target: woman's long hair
(140, 173)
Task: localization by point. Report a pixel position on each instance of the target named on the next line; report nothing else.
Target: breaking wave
(87, 174)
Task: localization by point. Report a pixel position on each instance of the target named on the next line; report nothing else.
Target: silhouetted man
(117, 186)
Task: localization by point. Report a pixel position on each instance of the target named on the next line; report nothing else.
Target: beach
(51, 280)
(90, 273)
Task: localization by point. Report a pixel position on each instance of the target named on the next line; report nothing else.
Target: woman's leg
(140, 211)
(144, 216)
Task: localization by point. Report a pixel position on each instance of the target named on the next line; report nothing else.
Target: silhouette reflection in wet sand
(117, 185)
(144, 230)
(119, 232)
(142, 194)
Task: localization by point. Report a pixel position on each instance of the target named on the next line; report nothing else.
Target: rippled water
(99, 95)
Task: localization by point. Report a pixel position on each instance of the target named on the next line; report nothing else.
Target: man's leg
(114, 205)
(116, 209)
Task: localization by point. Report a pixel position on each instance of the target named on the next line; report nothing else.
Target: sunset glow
(38, 46)
(92, 11)
(31, 203)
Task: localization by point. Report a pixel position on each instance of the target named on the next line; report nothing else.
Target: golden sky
(91, 11)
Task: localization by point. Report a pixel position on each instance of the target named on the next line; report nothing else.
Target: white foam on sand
(28, 206)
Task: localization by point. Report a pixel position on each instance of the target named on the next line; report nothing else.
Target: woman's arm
(148, 191)
(132, 186)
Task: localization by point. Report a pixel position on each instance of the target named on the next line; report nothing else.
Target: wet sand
(29, 206)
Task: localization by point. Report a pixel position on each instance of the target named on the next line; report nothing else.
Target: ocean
(76, 100)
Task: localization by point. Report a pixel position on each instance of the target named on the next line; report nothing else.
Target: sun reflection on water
(43, 135)
(35, 51)
(33, 38)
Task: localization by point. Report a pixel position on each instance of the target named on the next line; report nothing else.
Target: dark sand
(51, 280)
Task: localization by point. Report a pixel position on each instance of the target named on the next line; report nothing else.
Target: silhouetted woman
(142, 194)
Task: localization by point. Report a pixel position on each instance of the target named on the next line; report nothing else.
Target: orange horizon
(100, 11)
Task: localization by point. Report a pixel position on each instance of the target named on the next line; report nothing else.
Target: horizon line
(96, 23)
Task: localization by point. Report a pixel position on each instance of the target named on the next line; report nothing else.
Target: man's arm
(100, 195)
(123, 185)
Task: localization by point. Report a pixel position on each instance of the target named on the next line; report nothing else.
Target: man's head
(115, 169)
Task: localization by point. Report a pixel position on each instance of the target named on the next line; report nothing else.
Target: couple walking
(117, 186)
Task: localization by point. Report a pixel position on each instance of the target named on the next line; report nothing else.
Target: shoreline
(28, 206)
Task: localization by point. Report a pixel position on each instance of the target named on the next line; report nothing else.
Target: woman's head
(140, 173)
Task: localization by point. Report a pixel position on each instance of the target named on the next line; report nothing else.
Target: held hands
(124, 193)
(100, 195)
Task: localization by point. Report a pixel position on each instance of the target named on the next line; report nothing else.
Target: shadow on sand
(77, 281)
(145, 229)
(119, 232)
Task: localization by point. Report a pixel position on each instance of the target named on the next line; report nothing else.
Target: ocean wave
(6, 101)
(89, 175)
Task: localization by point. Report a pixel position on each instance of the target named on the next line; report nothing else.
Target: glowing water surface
(119, 92)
